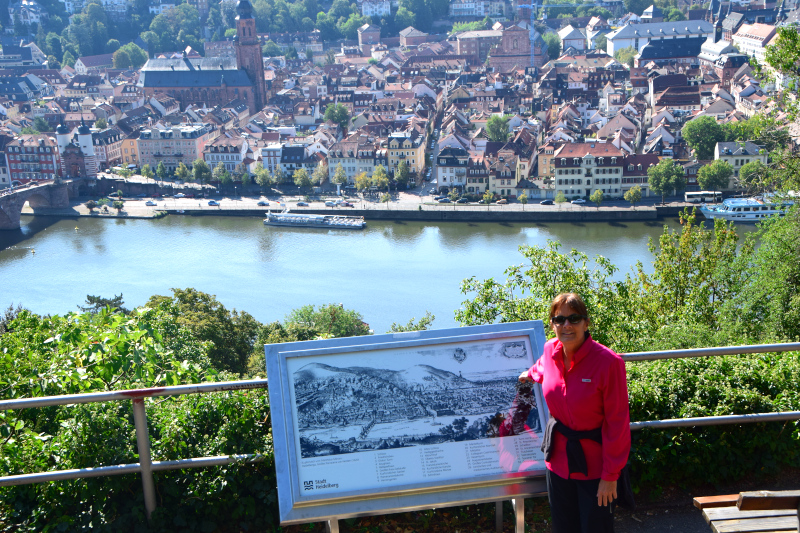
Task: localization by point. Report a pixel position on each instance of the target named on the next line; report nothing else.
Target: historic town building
(213, 80)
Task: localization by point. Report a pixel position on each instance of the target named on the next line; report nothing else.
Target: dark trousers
(573, 506)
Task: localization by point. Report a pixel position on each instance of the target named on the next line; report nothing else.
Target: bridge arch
(37, 196)
(37, 200)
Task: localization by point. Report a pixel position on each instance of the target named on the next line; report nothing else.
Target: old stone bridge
(46, 194)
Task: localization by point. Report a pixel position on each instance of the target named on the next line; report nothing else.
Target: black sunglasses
(573, 319)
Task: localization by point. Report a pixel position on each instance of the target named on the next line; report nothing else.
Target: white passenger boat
(744, 209)
(302, 220)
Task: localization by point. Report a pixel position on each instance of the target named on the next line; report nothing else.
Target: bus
(702, 197)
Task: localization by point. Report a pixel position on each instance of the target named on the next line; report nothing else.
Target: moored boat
(302, 220)
(744, 209)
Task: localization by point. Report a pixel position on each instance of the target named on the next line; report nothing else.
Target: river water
(390, 272)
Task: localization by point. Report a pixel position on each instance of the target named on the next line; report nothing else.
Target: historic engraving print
(426, 396)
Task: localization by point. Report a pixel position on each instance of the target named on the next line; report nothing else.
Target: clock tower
(249, 57)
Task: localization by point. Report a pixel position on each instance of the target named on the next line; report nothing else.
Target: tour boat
(744, 209)
(302, 220)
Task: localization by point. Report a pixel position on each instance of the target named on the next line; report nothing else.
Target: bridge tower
(87, 147)
(62, 139)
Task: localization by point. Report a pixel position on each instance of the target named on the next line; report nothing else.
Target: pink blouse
(592, 393)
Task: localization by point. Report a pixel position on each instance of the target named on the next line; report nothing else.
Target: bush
(105, 351)
(713, 386)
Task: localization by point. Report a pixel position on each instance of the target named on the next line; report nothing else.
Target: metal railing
(146, 466)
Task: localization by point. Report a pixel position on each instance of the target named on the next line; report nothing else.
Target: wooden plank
(704, 502)
(731, 513)
(767, 499)
(761, 525)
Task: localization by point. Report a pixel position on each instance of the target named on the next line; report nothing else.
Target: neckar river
(390, 272)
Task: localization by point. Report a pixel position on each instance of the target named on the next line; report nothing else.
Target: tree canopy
(497, 128)
(666, 177)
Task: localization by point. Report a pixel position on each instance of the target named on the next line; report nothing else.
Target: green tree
(560, 198)
(497, 128)
(601, 42)
(320, 174)
(41, 125)
(625, 55)
(339, 175)
(674, 15)
(182, 172)
(488, 197)
(95, 304)
(101, 124)
(219, 172)
(301, 178)
(278, 175)
(597, 197)
(665, 177)
(380, 178)
(271, 49)
(754, 177)
(231, 334)
(90, 205)
(118, 205)
(112, 46)
(402, 174)
(338, 114)
(523, 199)
(362, 181)
(633, 195)
(146, 171)
(161, 171)
(404, 18)
(201, 171)
(263, 177)
(53, 62)
(702, 135)
(244, 177)
(715, 177)
(553, 45)
(328, 321)
(422, 324)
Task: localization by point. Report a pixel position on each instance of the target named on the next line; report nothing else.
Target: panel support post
(332, 526)
(519, 514)
(498, 516)
(143, 446)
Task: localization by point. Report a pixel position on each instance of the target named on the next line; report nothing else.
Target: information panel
(389, 415)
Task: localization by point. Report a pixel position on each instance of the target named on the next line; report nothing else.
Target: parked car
(302, 204)
(156, 195)
(180, 195)
(264, 202)
(502, 201)
(546, 202)
(437, 198)
(432, 191)
(330, 203)
(190, 195)
(150, 203)
(578, 201)
(345, 203)
(444, 200)
(213, 202)
(462, 201)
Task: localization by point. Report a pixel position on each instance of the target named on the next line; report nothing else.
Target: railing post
(143, 446)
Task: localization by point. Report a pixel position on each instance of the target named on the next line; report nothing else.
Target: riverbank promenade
(401, 207)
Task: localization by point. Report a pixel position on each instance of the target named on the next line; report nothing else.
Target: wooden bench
(759, 511)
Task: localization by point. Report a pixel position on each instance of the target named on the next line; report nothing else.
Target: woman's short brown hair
(571, 299)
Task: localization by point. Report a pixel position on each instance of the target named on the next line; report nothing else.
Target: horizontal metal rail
(92, 397)
(132, 468)
(146, 467)
(717, 420)
(706, 352)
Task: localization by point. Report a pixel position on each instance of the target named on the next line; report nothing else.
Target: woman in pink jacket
(588, 438)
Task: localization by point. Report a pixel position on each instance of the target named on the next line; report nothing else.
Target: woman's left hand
(606, 492)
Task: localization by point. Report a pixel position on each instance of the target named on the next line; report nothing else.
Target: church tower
(248, 55)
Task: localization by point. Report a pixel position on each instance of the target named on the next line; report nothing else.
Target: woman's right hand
(524, 377)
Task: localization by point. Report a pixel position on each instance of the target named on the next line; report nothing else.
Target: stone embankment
(423, 212)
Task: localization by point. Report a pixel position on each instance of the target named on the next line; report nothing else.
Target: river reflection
(389, 272)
